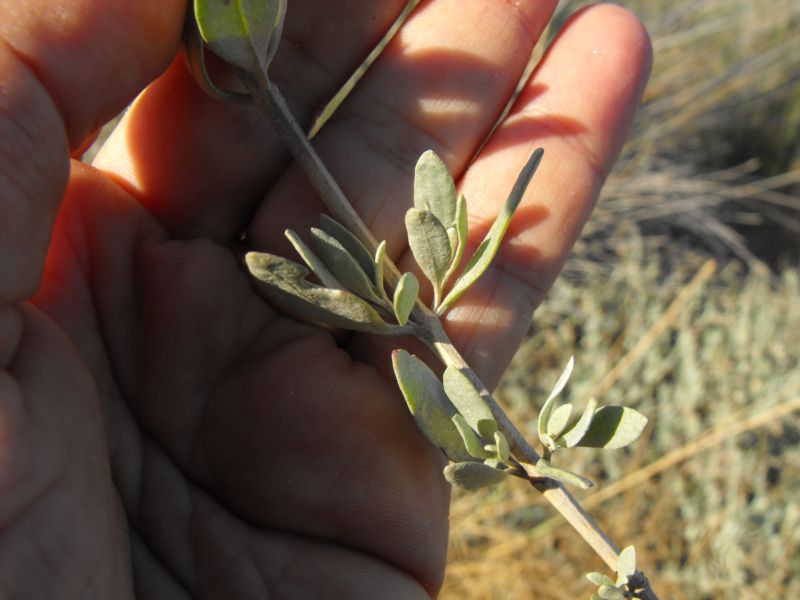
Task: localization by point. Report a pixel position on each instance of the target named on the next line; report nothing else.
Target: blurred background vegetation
(682, 299)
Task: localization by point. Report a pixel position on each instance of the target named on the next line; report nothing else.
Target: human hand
(163, 432)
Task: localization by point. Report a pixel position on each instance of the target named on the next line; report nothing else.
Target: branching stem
(428, 326)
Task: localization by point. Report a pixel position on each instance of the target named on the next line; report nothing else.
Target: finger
(201, 166)
(441, 84)
(578, 106)
(65, 68)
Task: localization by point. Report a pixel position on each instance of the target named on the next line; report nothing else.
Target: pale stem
(269, 99)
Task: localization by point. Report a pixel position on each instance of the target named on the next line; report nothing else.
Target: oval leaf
(350, 243)
(241, 32)
(599, 578)
(283, 283)
(467, 399)
(430, 246)
(428, 404)
(459, 230)
(545, 469)
(380, 256)
(610, 592)
(614, 427)
(549, 404)
(196, 58)
(405, 297)
(626, 565)
(488, 248)
(434, 188)
(473, 475)
(502, 446)
(472, 442)
(343, 265)
(558, 420)
(577, 430)
(313, 262)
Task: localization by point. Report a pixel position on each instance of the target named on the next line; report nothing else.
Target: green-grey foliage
(473, 475)
(430, 245)
(558, 420)
(434, 188)
(457, 234)
(379, 261)
(575, 432)
(350, 243)
(425, 397)
(545, 469)
(405, 296)
(466, 397)
(609, 589)
(244, 33)
(344, 266)
(473, 444)
(314, 263)
(502, 448)
(488, 248)
(283, 283)
(550, 403)
(614, 427)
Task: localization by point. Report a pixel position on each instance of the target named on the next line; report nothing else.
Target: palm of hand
(154, 412)
(250, 453)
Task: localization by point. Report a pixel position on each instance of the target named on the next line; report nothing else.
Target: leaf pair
(342, 262)
(454, 417)
(606, 427)
(437, 227)
(607, 588)
(284, 283)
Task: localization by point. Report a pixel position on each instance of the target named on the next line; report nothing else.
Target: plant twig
(269, 99)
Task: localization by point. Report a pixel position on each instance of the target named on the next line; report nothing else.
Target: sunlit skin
(164, 433)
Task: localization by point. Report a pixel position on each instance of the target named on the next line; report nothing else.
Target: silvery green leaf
(549, 404)
(473, 475)
(488, 248)
(314, 263)
(558, 420)
(459, 230)
(614, 427)
(577, 430)
(430, 246)
(545, 469)
(283, 282)
(350, 243)
(380, 258)
(196, 58)
(502, 447)
(405, 297)
(467, 399)
(610, 592)
(243, 33)
(599, 578)
(472, 442)
(428, 404)
(434, 188)
(343, 265)
(626, 565)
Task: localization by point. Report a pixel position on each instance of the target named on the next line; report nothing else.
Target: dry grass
(712, 355)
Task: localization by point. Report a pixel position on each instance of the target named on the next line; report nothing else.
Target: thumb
(66, 67)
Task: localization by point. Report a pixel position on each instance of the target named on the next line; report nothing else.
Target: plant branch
(428, 326)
